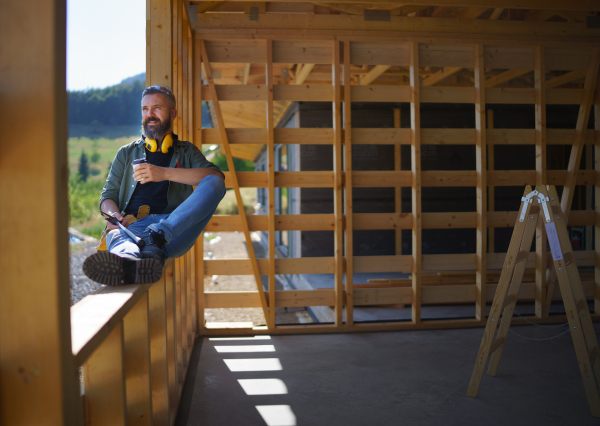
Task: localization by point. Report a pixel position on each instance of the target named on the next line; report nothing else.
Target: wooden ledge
(96, 315)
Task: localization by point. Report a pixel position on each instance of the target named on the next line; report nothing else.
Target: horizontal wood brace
(435, 294)
(407, 24)
(390, 93)
(496, 344)
(392, 136)
(303, 265)
(378, 221)
(510, 299)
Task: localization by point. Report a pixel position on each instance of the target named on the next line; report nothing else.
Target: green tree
(95, 157)
(84, 167)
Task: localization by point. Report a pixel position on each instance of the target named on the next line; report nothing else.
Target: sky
(106, 42)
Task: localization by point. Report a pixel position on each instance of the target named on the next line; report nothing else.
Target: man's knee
(216, 183)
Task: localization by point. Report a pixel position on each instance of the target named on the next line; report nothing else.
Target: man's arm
(151, 173)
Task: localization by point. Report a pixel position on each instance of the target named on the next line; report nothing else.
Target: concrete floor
(391, 378)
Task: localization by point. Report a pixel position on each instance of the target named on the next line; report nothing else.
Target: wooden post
(337, 190)
(178, 320)
(415, 124)
(38, 379)
(480, 157)
(157, 313)
(172, 350)
(197, 135)
(137, 364)
(178, 62)
(183, 299)
(184, 81)
(161, 47)
(348, 187)
(104, 382)
(597, 208)
(540, 179)
(491, 189)
(271, 182)
(398, 188)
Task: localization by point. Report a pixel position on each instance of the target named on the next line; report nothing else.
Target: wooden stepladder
(535, 203)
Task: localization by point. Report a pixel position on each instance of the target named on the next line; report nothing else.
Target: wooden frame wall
(412, 52)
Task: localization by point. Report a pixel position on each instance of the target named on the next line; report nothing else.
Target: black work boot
(154, 241)
(109, 269)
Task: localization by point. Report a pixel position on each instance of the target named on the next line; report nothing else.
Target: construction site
(426, 206)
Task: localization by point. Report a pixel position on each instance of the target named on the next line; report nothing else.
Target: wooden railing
(133, 344)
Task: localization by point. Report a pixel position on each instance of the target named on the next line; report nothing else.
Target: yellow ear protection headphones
(152, 145)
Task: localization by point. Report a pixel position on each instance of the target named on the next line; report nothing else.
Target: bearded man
(166, 214)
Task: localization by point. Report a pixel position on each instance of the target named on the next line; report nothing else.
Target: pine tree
(84, 167)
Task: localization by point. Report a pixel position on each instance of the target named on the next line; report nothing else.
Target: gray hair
(163, 90)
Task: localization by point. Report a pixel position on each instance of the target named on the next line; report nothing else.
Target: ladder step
(496, 344)
(581, 305)
(594, 354)
(510, 299)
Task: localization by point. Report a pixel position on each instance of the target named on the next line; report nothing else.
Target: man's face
(156, 116)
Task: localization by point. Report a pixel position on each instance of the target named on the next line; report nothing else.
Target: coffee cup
(136, 163)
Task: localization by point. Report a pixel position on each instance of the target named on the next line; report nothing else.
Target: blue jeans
(181, 227)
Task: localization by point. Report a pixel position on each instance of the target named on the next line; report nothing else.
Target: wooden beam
(161, 47)
(597, 212)
(38, 379)
(271, 184)
(540, 178)
(233, 177)
(304, 21)
(207, 6)
(585, 5)
(564, 79)
(373, 74)
(346, 8)
(348, 186)
(246, 73)
(441, 75)
(481, 191)
(496, 13)
(157, 323)
(491, 189)
(415, 124)
(104, 382)
(304, 72)
(504, 77)
(338, 176)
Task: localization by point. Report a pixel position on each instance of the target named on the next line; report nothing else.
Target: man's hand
(149, 173)
(120, 218)
(110, 208)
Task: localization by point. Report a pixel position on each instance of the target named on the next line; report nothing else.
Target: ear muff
(152, 146)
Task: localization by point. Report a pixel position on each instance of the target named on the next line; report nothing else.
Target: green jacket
(120, 184)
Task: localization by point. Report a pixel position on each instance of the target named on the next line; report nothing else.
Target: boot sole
(110, 269)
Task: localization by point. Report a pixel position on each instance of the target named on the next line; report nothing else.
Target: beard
(156, 132)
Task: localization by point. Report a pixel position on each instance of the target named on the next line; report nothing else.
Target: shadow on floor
(391, 378)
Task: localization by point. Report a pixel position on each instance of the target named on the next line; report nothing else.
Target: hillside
(111, 112)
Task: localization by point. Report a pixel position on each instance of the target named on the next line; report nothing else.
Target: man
(164, 185)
